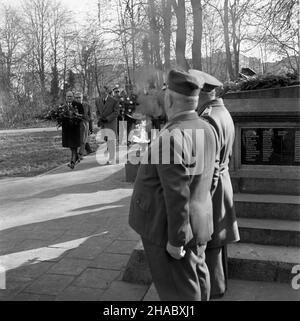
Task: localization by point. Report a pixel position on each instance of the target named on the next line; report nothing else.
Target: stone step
(265, 185)
(269, 232)
(256, 262)
(267, 206)
(245, 261)
(241, 290)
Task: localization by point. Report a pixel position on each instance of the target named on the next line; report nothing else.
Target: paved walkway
(64, 235)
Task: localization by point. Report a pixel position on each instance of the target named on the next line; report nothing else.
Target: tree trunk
(197, 38)
(167, 16)
(133, 31)
(155, 33)
(227, 42)
(180, 34)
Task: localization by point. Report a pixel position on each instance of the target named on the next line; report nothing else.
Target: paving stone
(13, 287)
(30, 245)
(102, 241)
(96, 278)
(69, 266)
(73, 293)
(42, 234)
(32, 297)
(122, 291)
(151, 294)
(83, 228)
(90, 249)
(6, 295)
(30, 271)
(49, 284)
(85, 252)
(7, 245)
(129, 235)
(110, 261)
(121, 247)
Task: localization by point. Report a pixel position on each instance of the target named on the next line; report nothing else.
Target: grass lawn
(30, 154)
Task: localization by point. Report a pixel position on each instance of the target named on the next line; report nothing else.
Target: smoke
(149, 82)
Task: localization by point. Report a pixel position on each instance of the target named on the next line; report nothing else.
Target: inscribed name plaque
(270, 146)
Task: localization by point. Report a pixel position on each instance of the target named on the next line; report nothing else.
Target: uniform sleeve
(216, 174)
(175, 181)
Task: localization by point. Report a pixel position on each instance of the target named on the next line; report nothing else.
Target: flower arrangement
(261, 82)
(127, 105)
(62, 112)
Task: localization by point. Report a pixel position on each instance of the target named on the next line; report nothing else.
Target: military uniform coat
(225, 223)
(109, 110)
(169, 203)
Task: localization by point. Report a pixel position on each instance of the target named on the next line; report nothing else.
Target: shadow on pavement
(49, 233)
(113, 181)
(57, 251)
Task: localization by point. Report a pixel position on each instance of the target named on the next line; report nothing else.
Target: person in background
(85, 125)
(225, 224)
(89, 109)
(71, 127)
(107, 109)
(171, 206)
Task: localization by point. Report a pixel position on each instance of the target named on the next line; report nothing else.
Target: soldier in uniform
(225, 223)
(171, 206)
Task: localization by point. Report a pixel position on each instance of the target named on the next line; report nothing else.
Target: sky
(79, 7)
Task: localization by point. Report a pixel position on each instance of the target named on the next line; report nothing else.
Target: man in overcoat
(71, 127)
(171, 206)
(225, 223)
(107, 109)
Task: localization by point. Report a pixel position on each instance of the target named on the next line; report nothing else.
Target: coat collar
(184, 116)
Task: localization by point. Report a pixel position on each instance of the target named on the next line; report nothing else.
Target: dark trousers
(216, 260)
(179, 280)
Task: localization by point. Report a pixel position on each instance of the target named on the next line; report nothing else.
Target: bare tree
(37, 15)
(280, 30)
(11, 38)
(197, 38)
(155, 32)
(179, 8)
(167, 17)
(58, 19)
(227, 40)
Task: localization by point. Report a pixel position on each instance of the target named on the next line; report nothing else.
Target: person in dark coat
(88, 109)
(225, 223)
(71, 133)
(107, 109)
(171, 206)
(85, 125)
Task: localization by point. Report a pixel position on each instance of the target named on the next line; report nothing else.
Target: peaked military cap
(183, 83)
(206, 82)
